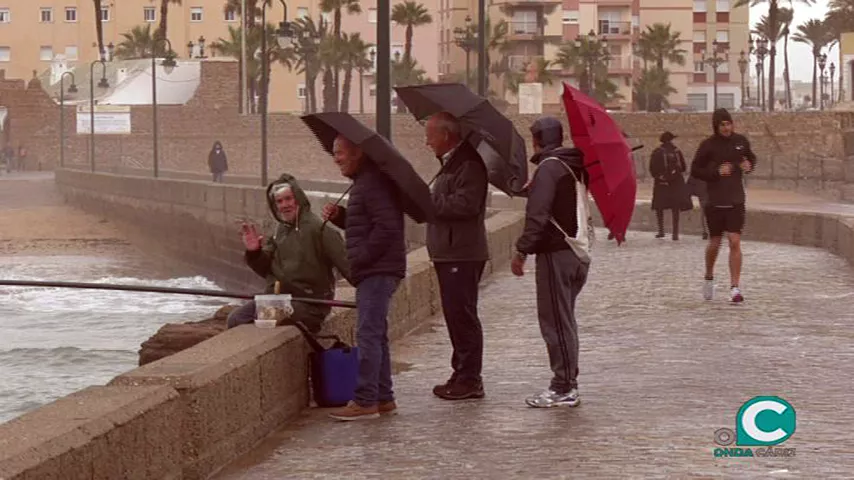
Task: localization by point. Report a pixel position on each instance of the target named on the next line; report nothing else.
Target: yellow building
(36, 33)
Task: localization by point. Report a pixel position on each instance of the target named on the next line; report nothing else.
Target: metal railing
(608, 27)
(520, 62)
(531, 27)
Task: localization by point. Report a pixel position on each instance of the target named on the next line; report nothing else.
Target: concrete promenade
(661, 371)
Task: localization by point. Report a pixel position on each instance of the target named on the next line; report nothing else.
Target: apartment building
(35, 33)
(538, 28)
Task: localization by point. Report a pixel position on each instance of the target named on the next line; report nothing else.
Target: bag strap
(309, 337)
(590, 231)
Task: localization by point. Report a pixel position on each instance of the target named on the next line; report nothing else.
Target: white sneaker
(708, 289)
(736, 296)
(549, 398)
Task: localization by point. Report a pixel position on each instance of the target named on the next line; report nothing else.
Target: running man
(721, 161)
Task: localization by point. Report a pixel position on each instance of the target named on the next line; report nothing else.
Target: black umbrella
(491, 133)
(413, 192)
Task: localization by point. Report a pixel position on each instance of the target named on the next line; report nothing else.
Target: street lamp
(110, 50)
(822, 62)
(715, 62)
(832, 72)
(760, 52)
(284, 37)
(466, 39)
(742, 67)
(201, 44)
(103, 83)
(71, 89)
(168, 65)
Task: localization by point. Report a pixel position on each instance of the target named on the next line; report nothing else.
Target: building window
(722, 36)
(71, 53)
(46, 15)
(699, 36)
(149, 14)
(723, 68)
(722, 6)
(5, 54)
(301, 90)
(230, 16)
(726, 100)
(70, 14)
(570, 17)
(196, 14)
(5, 15)
(700, 6)
(699, 67)
(635, 21)
(698, 101)
(327, 17)
(302, 12)
(524, 23)
(372, 15)
(46, 54)
(105, 14)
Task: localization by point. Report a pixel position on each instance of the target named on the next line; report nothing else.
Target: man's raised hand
(251, 239)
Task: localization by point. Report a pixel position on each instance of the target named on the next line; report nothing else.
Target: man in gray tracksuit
(557, 231)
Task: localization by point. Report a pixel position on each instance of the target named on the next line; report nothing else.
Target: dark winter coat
(552, 194)
(217, 162)
(458, 233)
(373, 224)
(711, 154)
(667, 165)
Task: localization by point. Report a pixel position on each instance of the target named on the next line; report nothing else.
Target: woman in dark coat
(667, 165)
(217, 162)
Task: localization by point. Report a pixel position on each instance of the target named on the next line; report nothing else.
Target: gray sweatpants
(560, 277)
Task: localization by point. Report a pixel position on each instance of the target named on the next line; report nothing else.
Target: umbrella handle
(322, 225)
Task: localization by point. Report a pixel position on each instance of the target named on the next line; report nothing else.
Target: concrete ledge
(98, 432)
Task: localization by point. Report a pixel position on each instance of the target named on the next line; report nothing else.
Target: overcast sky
(799, 53)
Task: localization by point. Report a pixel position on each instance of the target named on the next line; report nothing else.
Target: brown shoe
(389, 407)
(354, 411)
(459, 391)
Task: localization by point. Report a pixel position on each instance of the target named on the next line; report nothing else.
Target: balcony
(623, 64)
(527, 3)
(518, 63)
(615, 30)
(525, 30)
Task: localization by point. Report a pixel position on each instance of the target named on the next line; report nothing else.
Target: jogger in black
(557, 231)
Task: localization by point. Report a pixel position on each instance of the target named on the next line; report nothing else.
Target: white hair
(281, 188)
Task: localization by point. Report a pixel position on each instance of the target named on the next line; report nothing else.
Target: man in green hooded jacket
(300, 255)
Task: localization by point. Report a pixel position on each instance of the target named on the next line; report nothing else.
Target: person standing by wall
(667, 165)
(217, 162)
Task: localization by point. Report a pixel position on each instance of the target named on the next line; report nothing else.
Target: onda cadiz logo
(761, 422)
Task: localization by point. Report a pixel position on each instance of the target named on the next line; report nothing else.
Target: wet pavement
(661, 371)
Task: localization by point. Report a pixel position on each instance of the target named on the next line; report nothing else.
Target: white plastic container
(271, 310)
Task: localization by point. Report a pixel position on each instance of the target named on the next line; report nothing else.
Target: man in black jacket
(376, 252)
(556, 230)
(457, 245)
(721, 161)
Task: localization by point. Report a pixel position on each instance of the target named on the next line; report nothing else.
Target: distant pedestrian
(558, 232)
(9, 155)
(722, 161)
(667, 165)
(217, 162)
(21, 160)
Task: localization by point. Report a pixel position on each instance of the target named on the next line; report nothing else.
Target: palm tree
(410, 14)
(653, 88)
(164, 14)
(136, 43)
(786, 17)
(773, 23)
(337, 7)
(657, 44)
(354, 52)
(99, 29)
(775, 33)
(307, 53)
(573, 58)
(816, 34)
(840, 19)
(541, 70)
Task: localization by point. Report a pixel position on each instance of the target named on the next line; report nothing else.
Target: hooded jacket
(723, 191)
(552, 194)
(301, 255)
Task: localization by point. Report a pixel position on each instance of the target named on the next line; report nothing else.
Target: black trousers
(458, 286)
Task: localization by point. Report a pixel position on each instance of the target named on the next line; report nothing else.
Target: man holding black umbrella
(456, 241)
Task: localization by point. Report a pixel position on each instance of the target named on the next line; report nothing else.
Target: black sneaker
(459, 390)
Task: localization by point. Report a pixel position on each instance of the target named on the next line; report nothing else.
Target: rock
(174, 337)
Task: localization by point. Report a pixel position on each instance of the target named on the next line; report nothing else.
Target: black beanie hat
(720, 115)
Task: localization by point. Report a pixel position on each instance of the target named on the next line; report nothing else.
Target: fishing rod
(180, 291)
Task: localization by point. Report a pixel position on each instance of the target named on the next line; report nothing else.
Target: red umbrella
(607, 159)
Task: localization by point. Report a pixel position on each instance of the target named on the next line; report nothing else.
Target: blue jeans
(373, 296)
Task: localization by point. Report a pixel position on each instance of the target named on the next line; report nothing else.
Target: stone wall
(806, 151)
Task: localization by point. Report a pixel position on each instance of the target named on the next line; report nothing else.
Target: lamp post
(71, 89)
(110, 50)
(191, 45)
(832, 72)
(373, 53)
(742, 67)
(597, 50)
(168, 64)
(465, 38)
(761, 52)
(715, 62)
(822, 62)
(103, 83)
(284, 36)
(482, 65)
